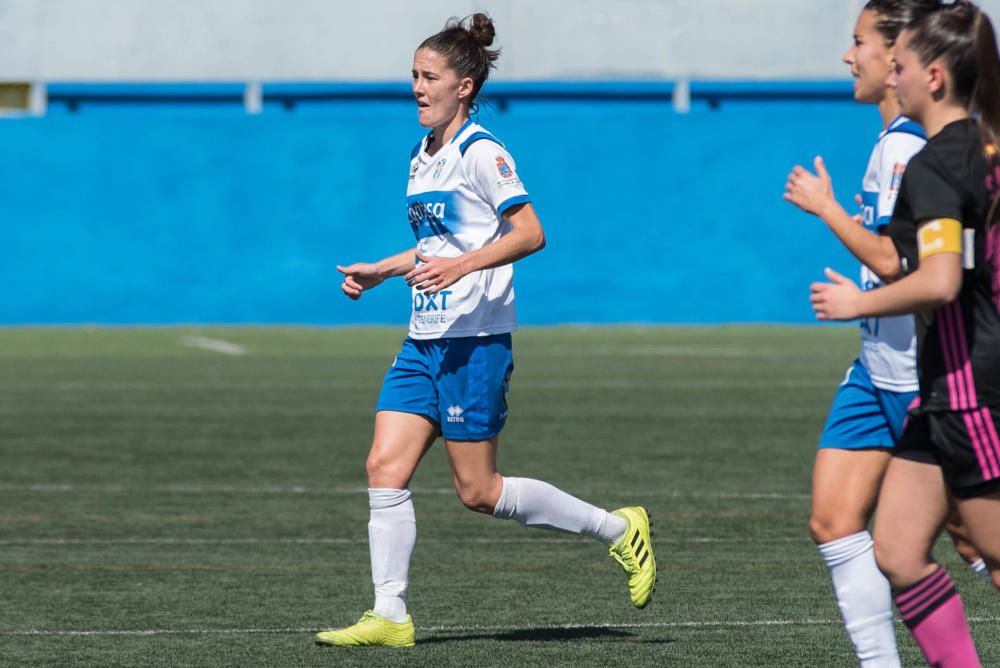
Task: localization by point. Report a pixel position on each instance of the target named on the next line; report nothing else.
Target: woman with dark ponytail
(947, 77)
(472, 218)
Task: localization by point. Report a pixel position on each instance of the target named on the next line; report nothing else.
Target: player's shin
(392, 534)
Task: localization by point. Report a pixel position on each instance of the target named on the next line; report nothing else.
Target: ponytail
(985, 99)
(962, 37)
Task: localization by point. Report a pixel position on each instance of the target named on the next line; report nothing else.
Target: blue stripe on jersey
(882, 221)
(513, 201)
(458, 134)
(869, 210)
(429, 213)
(907, 126)
(476, 137)
(416, 149)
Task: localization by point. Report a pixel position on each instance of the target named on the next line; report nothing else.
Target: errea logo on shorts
(455, 414)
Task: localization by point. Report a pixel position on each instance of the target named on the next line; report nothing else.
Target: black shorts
(963, 443)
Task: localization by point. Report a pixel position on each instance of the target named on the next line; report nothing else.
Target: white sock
(535, 503)
(392, 533)
(979, 568)
(864, 598)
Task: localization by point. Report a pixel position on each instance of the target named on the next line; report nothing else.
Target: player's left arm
(525, 237)
(936, 281)
(813, 193)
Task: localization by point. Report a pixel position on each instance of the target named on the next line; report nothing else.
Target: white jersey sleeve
(493, 175)
(896, 150)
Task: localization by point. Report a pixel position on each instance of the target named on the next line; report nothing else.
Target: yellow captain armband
(941, 235)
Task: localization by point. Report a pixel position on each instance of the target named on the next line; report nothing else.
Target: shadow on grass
(541, 635)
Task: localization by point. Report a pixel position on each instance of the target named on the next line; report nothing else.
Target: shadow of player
(542, 635)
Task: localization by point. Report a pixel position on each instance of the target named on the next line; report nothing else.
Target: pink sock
(933, 612)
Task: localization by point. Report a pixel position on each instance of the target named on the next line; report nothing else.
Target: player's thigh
(845, 487)
(399, 443)
(912, 509)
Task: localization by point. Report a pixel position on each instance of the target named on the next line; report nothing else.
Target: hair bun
(481, 29)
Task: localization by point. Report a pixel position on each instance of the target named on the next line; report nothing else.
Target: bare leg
(982, 517)
(845, 488)
(913, 507)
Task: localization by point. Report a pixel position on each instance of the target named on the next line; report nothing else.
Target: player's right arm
(362, 276)
(813, 193)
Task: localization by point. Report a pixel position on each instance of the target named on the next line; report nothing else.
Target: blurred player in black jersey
(947, 77)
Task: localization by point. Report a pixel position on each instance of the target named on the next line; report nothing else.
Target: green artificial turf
(162, 504)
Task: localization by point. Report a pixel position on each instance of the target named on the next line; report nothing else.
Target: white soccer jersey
(456, 200)
(888, 344)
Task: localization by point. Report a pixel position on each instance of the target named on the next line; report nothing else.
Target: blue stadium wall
(170, 204)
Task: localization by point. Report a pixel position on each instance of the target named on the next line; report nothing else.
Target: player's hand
(436, 273)
(810, 192)
(359, 277)
(838, 300)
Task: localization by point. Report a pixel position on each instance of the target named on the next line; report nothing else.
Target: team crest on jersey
(440, 166)
(897, 177)
(504, 169)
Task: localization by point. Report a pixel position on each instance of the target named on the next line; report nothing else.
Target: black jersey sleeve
(932, 192)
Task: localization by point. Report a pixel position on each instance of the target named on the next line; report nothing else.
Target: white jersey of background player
(456, 200)
(888, 345)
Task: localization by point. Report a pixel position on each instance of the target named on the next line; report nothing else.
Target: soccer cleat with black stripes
(635, 554)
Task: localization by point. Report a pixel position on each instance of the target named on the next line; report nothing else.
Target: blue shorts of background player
(461, 384)
(865, 416)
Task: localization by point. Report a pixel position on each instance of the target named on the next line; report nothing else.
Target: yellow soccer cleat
(371, 629)
(635, 554)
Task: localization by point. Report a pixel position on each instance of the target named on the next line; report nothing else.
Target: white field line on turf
(183, 488)
(333, 384)
(67, 542)
(215, 345)
(484, 628)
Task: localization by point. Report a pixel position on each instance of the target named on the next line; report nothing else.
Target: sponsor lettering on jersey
(429, 214)
(425, 302)
(504, 169)
(869, 206)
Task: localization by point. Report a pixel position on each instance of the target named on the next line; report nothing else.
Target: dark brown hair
(465, 42)
(962, 38)
(894, 15)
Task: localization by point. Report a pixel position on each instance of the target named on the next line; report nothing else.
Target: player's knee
(477, 497)
(383, 472)
(899, 564)
(825, 527)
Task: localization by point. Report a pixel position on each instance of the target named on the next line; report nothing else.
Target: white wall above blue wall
(372, 40)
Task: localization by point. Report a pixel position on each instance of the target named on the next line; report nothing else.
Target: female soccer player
(472, 218)
(945, 227)
(866, 419)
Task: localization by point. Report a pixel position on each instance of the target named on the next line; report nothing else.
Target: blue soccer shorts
(459, 383)
(864, 416)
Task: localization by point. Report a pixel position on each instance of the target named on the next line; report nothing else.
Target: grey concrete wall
(373, 40)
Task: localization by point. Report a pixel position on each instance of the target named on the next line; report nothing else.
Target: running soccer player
(945, 226)
(866, 419)
(472, 218)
